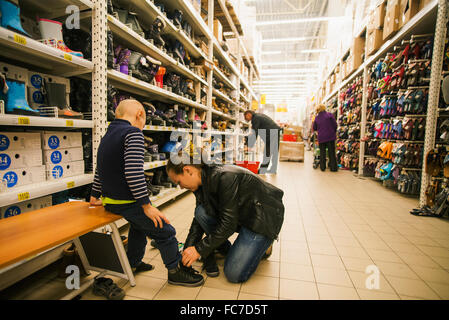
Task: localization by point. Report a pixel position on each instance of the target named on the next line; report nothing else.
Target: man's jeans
(245, 253)
(142, 227)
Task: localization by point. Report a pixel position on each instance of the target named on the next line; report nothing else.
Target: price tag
(68, 57)
(69, 123)
(23, 196)
(70, 184)
(20, 40)
(23, 120)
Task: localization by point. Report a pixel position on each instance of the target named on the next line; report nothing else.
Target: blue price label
(10, 178)
(56, 157)
(57, 172)
(36, 81)
(5, 161)
(4, 142)
(53, 142)
(12, 211)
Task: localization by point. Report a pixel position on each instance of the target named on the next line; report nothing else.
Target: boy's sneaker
(185, 276)
(210, 265)
(142, 267)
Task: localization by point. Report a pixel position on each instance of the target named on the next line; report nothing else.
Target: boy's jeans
(142, 227)
(245, 253)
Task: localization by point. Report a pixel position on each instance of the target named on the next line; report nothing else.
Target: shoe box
(61, 139)
(14, 159)
(19, 141)
(64, 170)
(63, 155)
(291, 151)
(12, 178)
(25, 206)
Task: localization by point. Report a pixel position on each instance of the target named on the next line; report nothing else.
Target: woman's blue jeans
(245, 253)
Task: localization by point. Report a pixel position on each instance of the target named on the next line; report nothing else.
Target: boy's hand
(155, 215)
(95, 201)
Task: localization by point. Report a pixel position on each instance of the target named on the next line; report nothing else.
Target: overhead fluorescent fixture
(289, 39)
(288, 63)
(283, 71)
(314, 50)
(271, 52)
(263, 82)
(301, 20)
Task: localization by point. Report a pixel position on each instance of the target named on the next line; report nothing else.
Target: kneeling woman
(229, 199)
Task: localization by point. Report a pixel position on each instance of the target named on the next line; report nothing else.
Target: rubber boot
(135, 66)
(160, 76)
(152, 116)
(155, 32)
(177, 17)
(52, 31)
(123, 60)
(10, 16)
(179, 51)
(16, 102)
(110, 48)
(56, 96)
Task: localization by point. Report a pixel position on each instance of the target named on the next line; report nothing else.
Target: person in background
(326, 126)
(229, 199)
(271, 135)
(120, 186)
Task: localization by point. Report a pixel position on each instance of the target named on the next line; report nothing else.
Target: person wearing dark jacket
(119, 184)
(229, 199)
(326, 126)
(263, 126)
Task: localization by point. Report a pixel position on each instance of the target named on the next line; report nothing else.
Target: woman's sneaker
(210, 265)
(185, 276)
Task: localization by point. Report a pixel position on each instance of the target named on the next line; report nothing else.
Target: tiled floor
(336, 226)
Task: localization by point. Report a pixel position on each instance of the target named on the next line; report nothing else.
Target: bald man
(120, 186)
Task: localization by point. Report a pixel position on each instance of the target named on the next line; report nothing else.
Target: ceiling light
(271, 52)
(314, 50)
(262, 82)
(302, 20)
(289, 39)
(288, 63)
(282, 71)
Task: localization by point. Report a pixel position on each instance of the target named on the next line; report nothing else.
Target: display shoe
(179, 51)
(185, 276)
(163, 116)
(16, 102)
(110, 48)
(187, 29)
(181, 119)
(155, 31)
(176, 16)
(160, 76)
(151, 188)
(152, 117)
(210, 265)
(56, 95)
(51, 32)
(122, 59)
(10, 16)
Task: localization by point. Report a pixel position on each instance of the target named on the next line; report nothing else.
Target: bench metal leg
(118, 243)
(82, 254)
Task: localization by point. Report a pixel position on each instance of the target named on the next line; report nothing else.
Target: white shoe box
(61, 139)
(15, 159)
(63, 155)
(25, 206)
(21, 177)
(20, 141)
(64, 170)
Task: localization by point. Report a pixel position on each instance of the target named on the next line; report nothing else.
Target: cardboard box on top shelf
(358, 51)
(391, 23)
(374, 41)
(218, 30)
(407, 9)
(377, 17)
(423, 4)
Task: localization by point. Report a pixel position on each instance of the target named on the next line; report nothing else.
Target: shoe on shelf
(185, 276)
(51, 32)
(10, 16)
(16, 102)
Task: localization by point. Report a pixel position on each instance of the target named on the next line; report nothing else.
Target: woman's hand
(155, 215)
(189, 256)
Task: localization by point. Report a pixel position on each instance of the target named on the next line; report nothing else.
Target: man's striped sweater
(120, 159)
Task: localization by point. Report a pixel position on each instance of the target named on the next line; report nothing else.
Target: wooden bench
(28, 234)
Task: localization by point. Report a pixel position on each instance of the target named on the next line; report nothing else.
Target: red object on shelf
(252, 166)
(290, 137)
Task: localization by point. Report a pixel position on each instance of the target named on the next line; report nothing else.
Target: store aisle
(336, 225)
